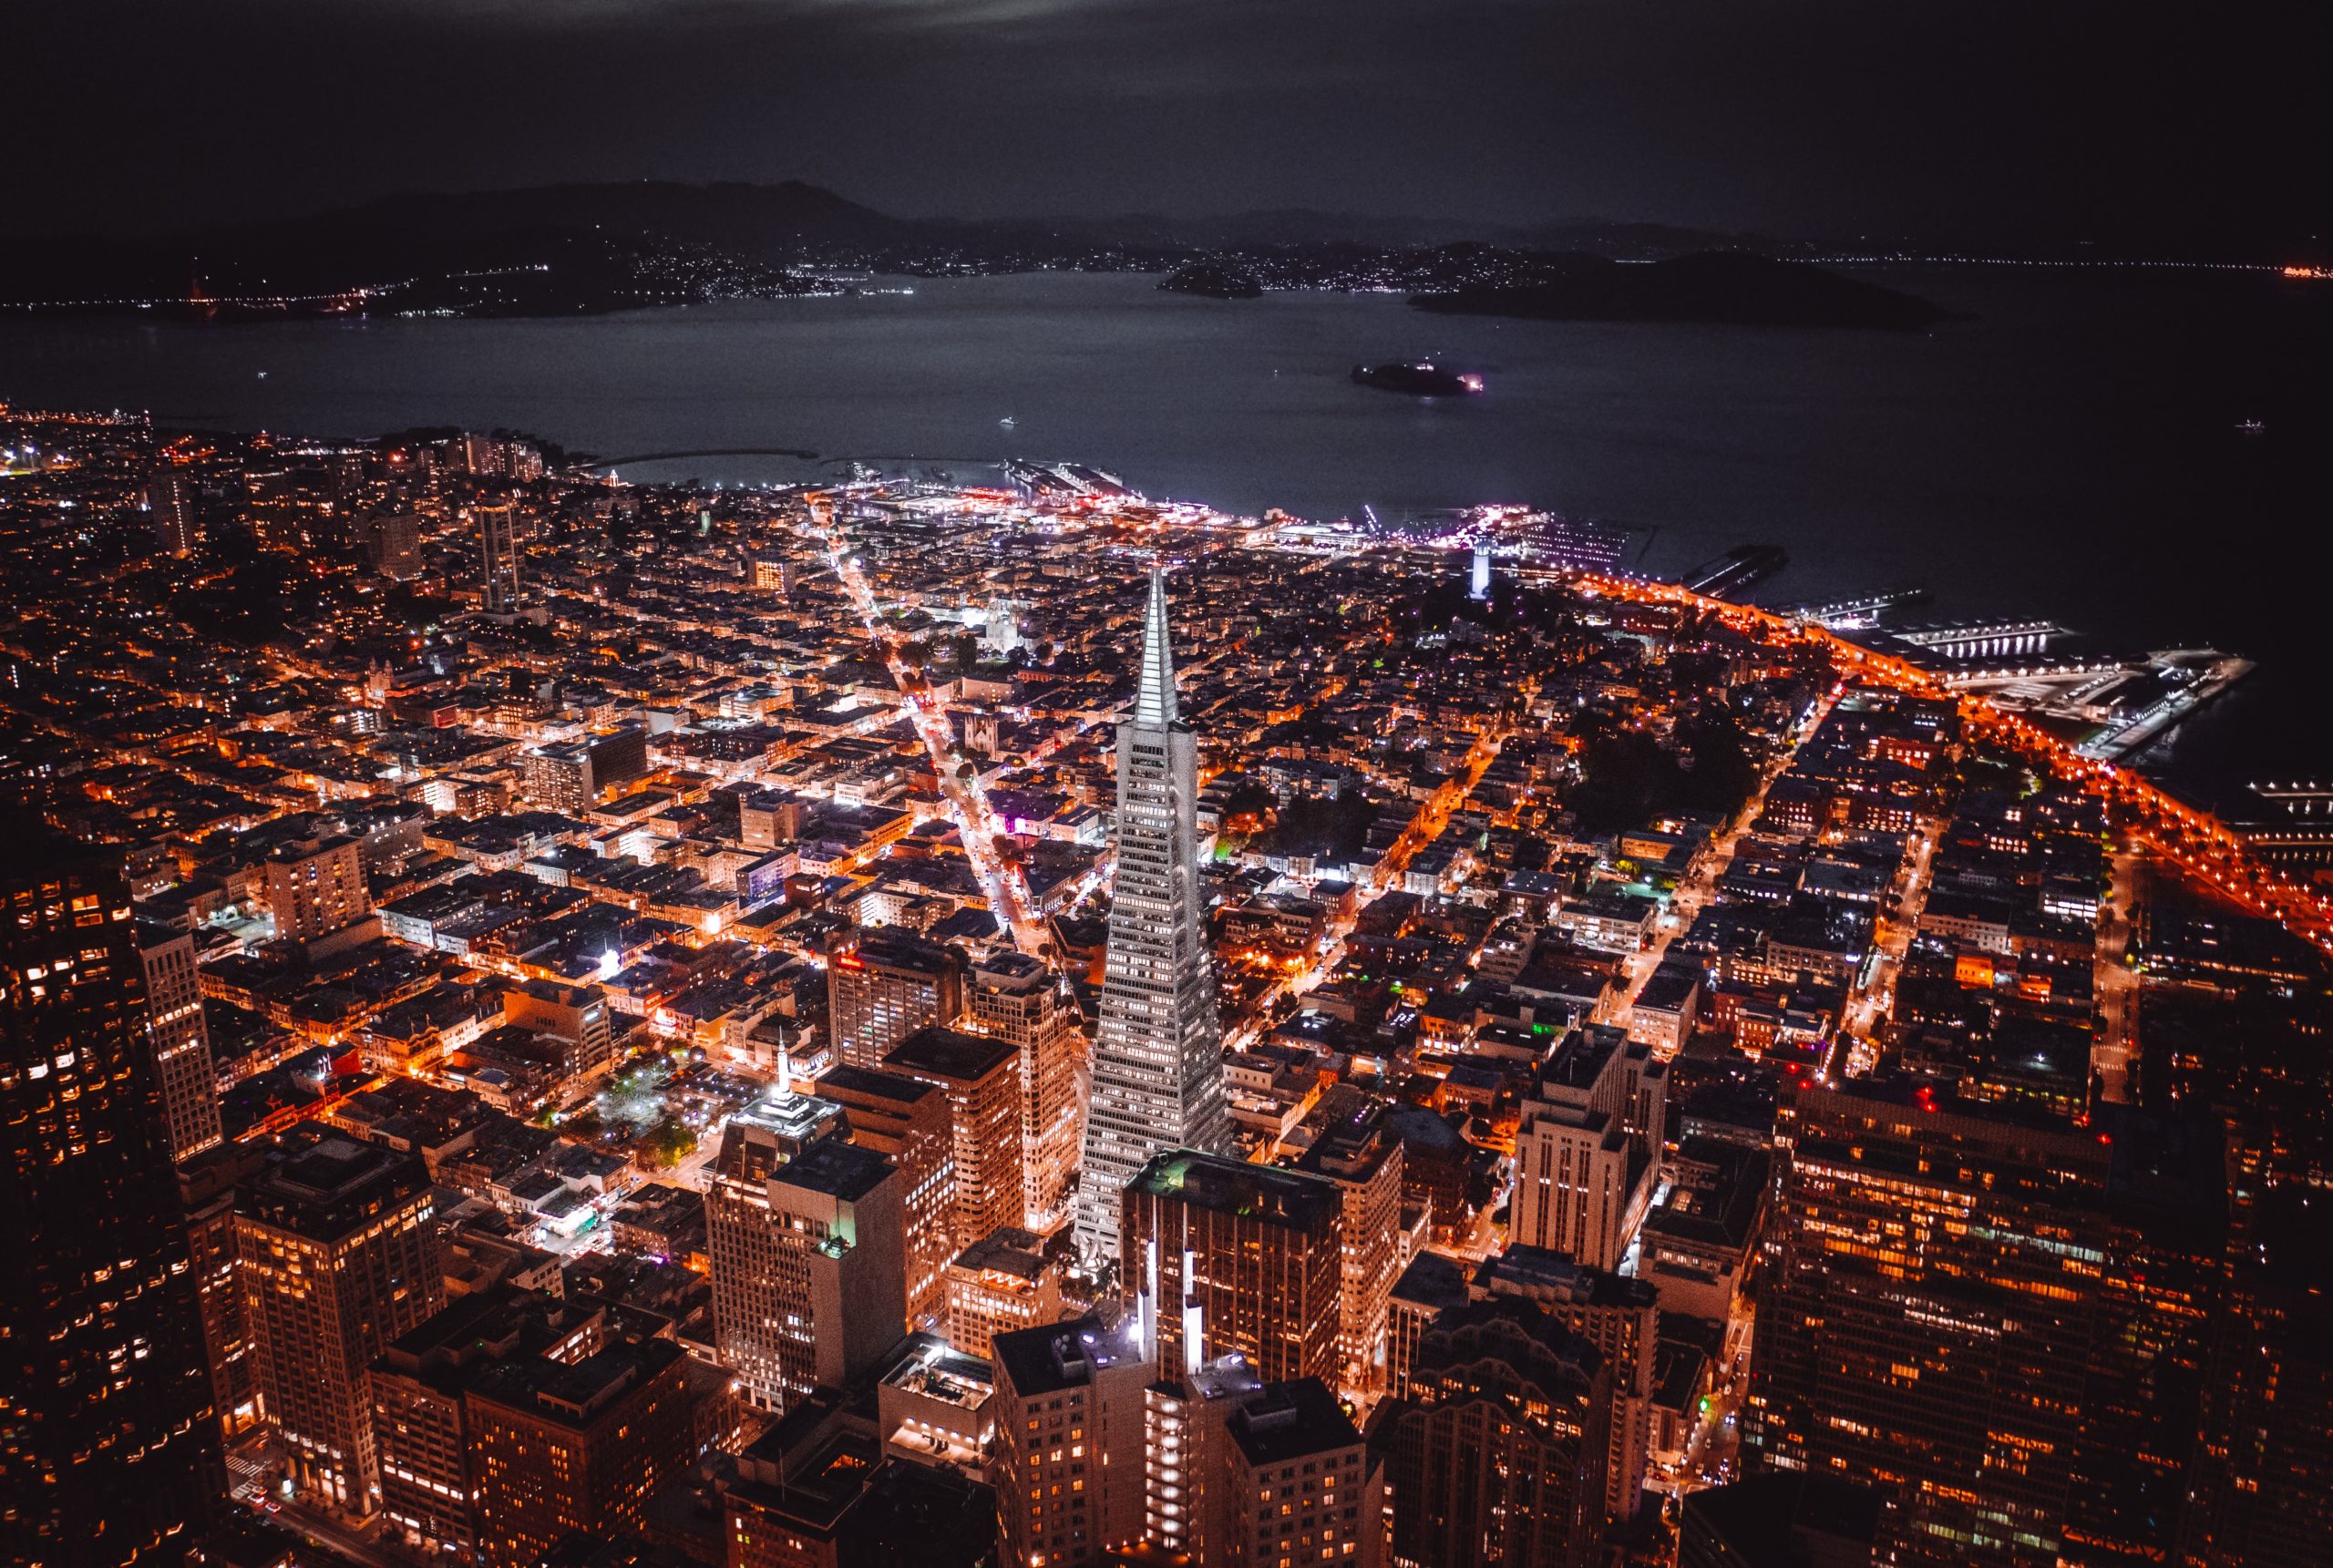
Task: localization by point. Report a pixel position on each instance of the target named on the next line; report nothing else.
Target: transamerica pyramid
(1158, 1058)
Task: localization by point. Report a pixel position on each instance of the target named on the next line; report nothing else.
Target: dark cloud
(2039, 117)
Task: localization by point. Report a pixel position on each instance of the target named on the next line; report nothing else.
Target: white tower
(1158, 1056)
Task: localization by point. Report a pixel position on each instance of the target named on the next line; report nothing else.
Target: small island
(1725, 286)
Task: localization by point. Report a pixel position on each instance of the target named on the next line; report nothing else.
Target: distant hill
(1729, 286)
(400, 236)
(563, 249)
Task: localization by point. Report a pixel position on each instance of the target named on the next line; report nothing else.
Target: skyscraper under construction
(1158, 1056)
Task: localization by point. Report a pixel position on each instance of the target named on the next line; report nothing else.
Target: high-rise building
(1780, 1521)
(1356, 1149)
(317, 888)
(908, 1121)
(1238, 1470)
(806, 1233)
(2263, 1480)
(575, 1448)
(420, 1413)
(1185, 1445)
(1069, 1435)
(1158, 1056)
(1495, 1453)
(1478, 585)
(499, 582)
(982, 1078)
(884, 986)
(207, 1190)
(1615, 1313)
(1588, 1152)
(1926, 1326)
(340, 1255)
(170, 504)
(822, 1489)
(1002, 1283)
(1431, 1286)
(1297, 1484)
(108, 1451)
(1230, 1258)
(181, 1042)
(1015, 998)
(393, 544)
(2162, 1297)
(289, 508)
(570, 776)
(577, 1017)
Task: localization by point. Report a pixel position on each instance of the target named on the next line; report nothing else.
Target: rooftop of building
(1224, 1185)
(1538, 1273)
(1519, 1335)
(1291, 1420)
(935, 1370)
(326, 1185)
(1767, 1520)
(846, 1081)
(1006, 1250)
(1059, 1355)
(836, 1169)
(934, 1051)
(577, 1393)
(1433, 1282)
(894, 947)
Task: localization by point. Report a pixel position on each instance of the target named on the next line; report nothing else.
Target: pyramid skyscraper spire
(1158, 1058)
(1154, 701)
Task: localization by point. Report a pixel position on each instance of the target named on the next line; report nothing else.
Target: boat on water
(1417, 378)
(1005, 423)
(2250, 426)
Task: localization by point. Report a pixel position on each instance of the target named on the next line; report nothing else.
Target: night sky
(2202, 128)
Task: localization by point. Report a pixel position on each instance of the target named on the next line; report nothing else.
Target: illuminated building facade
(1588, 1152)
(169, 503)
(499, 584)
(1001, 1283)
(421, 1420)
(1925, 1327)
(884, 986)
(107, 1449)
(806, 1232)
(317, 888)
(570, 776)
(1014, 998)
(982, 1079)
(2263, 1480)
(1615, 1313)
(575, 1448)
(1071, 1430)
(1158, 1056)
(1494, 1456)
(340, 1255)
(183, 1070)
(1357, 1150)
(1229, 1258)
(1296, 1483)
(908, 1121)
(207, 1191)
